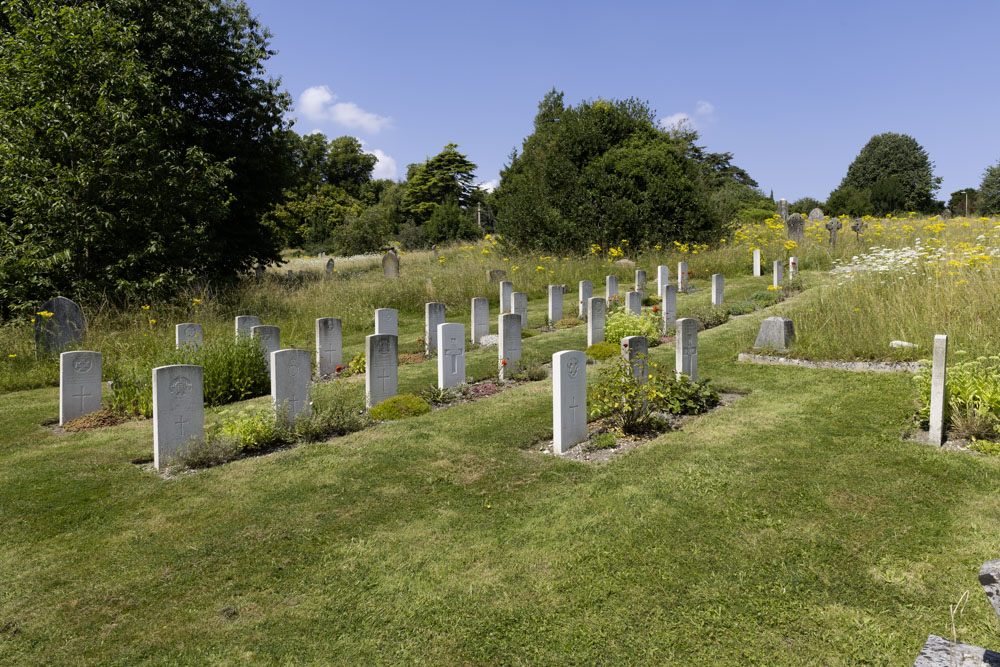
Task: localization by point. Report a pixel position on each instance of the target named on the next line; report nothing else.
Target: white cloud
(703, 108)
(677, 120)
(704, 114)
(317, 103)
(489, 185)
(385, 167)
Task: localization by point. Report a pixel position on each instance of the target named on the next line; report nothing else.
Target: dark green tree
(964, 202)
(888, 195)
(848, 200)
(890, 154)
(805, 205)
(989, 191)
(448, 176)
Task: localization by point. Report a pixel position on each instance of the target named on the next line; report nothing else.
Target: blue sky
(792, 89)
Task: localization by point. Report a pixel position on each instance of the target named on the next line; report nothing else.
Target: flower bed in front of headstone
(972, 411)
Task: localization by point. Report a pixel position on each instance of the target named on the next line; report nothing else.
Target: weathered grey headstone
(387, 321)
(989, 579)
(686, 348)
(434, 313)
(329, 345)
(610, 288)
(178, 409)
(64, 327)
(390, 265)
(640, 280)
(935, 435)
(815, 215)
(291, 382)
(509, 346)
(793, 268)
(633, 302)
(834, 226)
(79, 384)
(941, 652)
(289, 273)
(756, 263)
(776, 333)
(519, 301)
(506, 290)
(635, 349)
(451, 355)
(244, 323)
(596, 313)
(668, 304)
(682, 276)
(188, 335)
(796, 226)
(555, 304)
(783, 209)
(269, 338)
(779, 278)
(480, 318)
(381, 368)
(946, 214)
(496, 275)
(662, 278)
(565, 288)
(259, 271)
(586, 292)
(329, 266)
(569, 399)
(718, 289)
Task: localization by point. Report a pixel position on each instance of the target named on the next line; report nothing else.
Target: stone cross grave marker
(686, 348)
(496, 275)
(633, 302)
(718, 289)
(381, 368)
(569, 399)
(79, 384)
(387, 321)
(596, 313)
(793, 268)
(816, 214)
(451, 355)
(506, 290)
(682, 276)
(586, 292)
(188, 335)
(796, 226)
(668, 306)
(756, 263)
(858, 226)
(935, 435)
(329, 345)
(480, 318)
(65, 327)
(776, 333)
(635, 349)
(783, 209)
(244, 323)
(662, 279)
(555, 304)
(520, 307)
(178, 410)
(390, 265)
(610, 288)
(433, 316)
(269, 338)
(509, 347)
(834, 226)
(778, 277)
(291, 382)
(329, 266)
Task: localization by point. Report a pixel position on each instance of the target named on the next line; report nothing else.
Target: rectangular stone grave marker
(555, 303)
(433, 316)
(718, 289)
(793, 267)
(935, 435)
(682, 276)
(586, 292)
(635, 349)
(291, 382)
(783, 209)
(269, 338)
(506, 290)
(329, 345)
(381, 368)
(451, 355)
(569, 399)
(509, 346)
(686, 347)
(610, 288)
(596, 313)
(520, 307)
(778, 277)
(244, 323)
(62, 326)
(756, 263)
(178, 410)
(79, 384)
(668, 306)
(387, 321)
(188, 335)
(633, 302)
(640, 280)
(662, 278)
(480, 318)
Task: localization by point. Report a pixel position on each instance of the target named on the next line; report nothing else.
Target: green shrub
(740, 307)
(986, 447)
(603, 351)
(709, 316)
(765, 298)
(528, 333)
(435, 396)
(567, 322)
(402, 406)
(622, 324)
(355, 366)
(651, 301)
(601, 441)
(257, 429)
(211, 451)
(530, 372)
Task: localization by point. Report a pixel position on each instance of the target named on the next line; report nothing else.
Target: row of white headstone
(793, 268)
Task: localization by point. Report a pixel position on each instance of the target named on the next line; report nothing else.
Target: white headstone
(520, 307)
(935, 435)
(669, 307)
(178, 410)
(433, 316)
(64, 327)
(387, 321)
(756, 263)
(778, 278)
(662, 278)
(586, 291)
(480, 318)
(610, 287)
(555, 303)
(686, 347)
(633, 302)
(381, 368)
(635, 349)
(188, 335)
(640, 280)
(682, 276)
(269, 338)
(569, 399)
(329, 345)
(451, 355)
(79, 384)
(793, 267)
(718, 289)
(509, 345)
(506, 289)
(291, 382)
(596, 313)
(244, 323)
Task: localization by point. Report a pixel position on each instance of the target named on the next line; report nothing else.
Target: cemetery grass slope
(793, 527)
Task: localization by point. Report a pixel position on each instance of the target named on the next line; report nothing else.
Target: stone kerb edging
(858, 366)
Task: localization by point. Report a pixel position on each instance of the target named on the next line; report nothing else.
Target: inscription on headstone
(79, 384)
(596, 313)
(291, 382)
(178, 410)
(480, 318)
(433, 316)
(686, 348)
(188, 335)
(509, 346)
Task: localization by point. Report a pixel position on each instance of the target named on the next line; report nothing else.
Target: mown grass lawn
(793, 527)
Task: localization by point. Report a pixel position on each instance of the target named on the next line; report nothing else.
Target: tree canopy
(989, 191)
(894, 172)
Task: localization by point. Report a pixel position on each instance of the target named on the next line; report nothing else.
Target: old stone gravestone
(506, 290)
(291, 381)
(682, 276)
(188, 335)
(381, 368)
(858, 226)
(778, 274)
(796, 226)
(259, 271)
(756, 263)
(329, 345)
(586, 292)
(686, 348)
(668, 304)
(178, 410)
(509, 346)
(62, 325)
(946, 214)
(520, 307)
(329, 266)
(635, 349)
(433, 316)
(569, 399)
(387, 321)
(633, 302)
(610, 288)
(496, 275)
(776, 333)
(480, 318)
(451, 355)
(555, 304)
(596, 313)
(640, 280)
(79, 384)
(816, 215)
(834, 227)
(662, 278)
(269, 338)
(935, 434)
(390, 265)
(244, 323)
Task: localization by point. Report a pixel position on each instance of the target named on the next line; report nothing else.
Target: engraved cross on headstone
(180, 422)
(454, 353)
(384, 377)
(573, 407)
(83, 394)
(293, 402)
(834, 226)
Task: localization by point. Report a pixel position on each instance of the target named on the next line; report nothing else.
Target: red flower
(656, 309)
(624, 344)
(338, 369)
(503, 363)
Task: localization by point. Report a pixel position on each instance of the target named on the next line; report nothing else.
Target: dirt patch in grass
(100, 419)
(412, 358)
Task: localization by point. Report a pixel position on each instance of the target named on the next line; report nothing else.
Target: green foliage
(339, 412)
(989, 191)
(446, 177)
(256, 429)
(528, 333)
(986, 447)
(355, 366)
(601, 441)
(888, 195)
(603, 351)
(529, 372)
(437, 396)
(849, 200)
(709, 316)
(449, 223)
(622, 324)
(740, 307)
(805, 205)
(766, 298)
(890, 155)
(402, 406)
(973, 392)
(958, 200)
